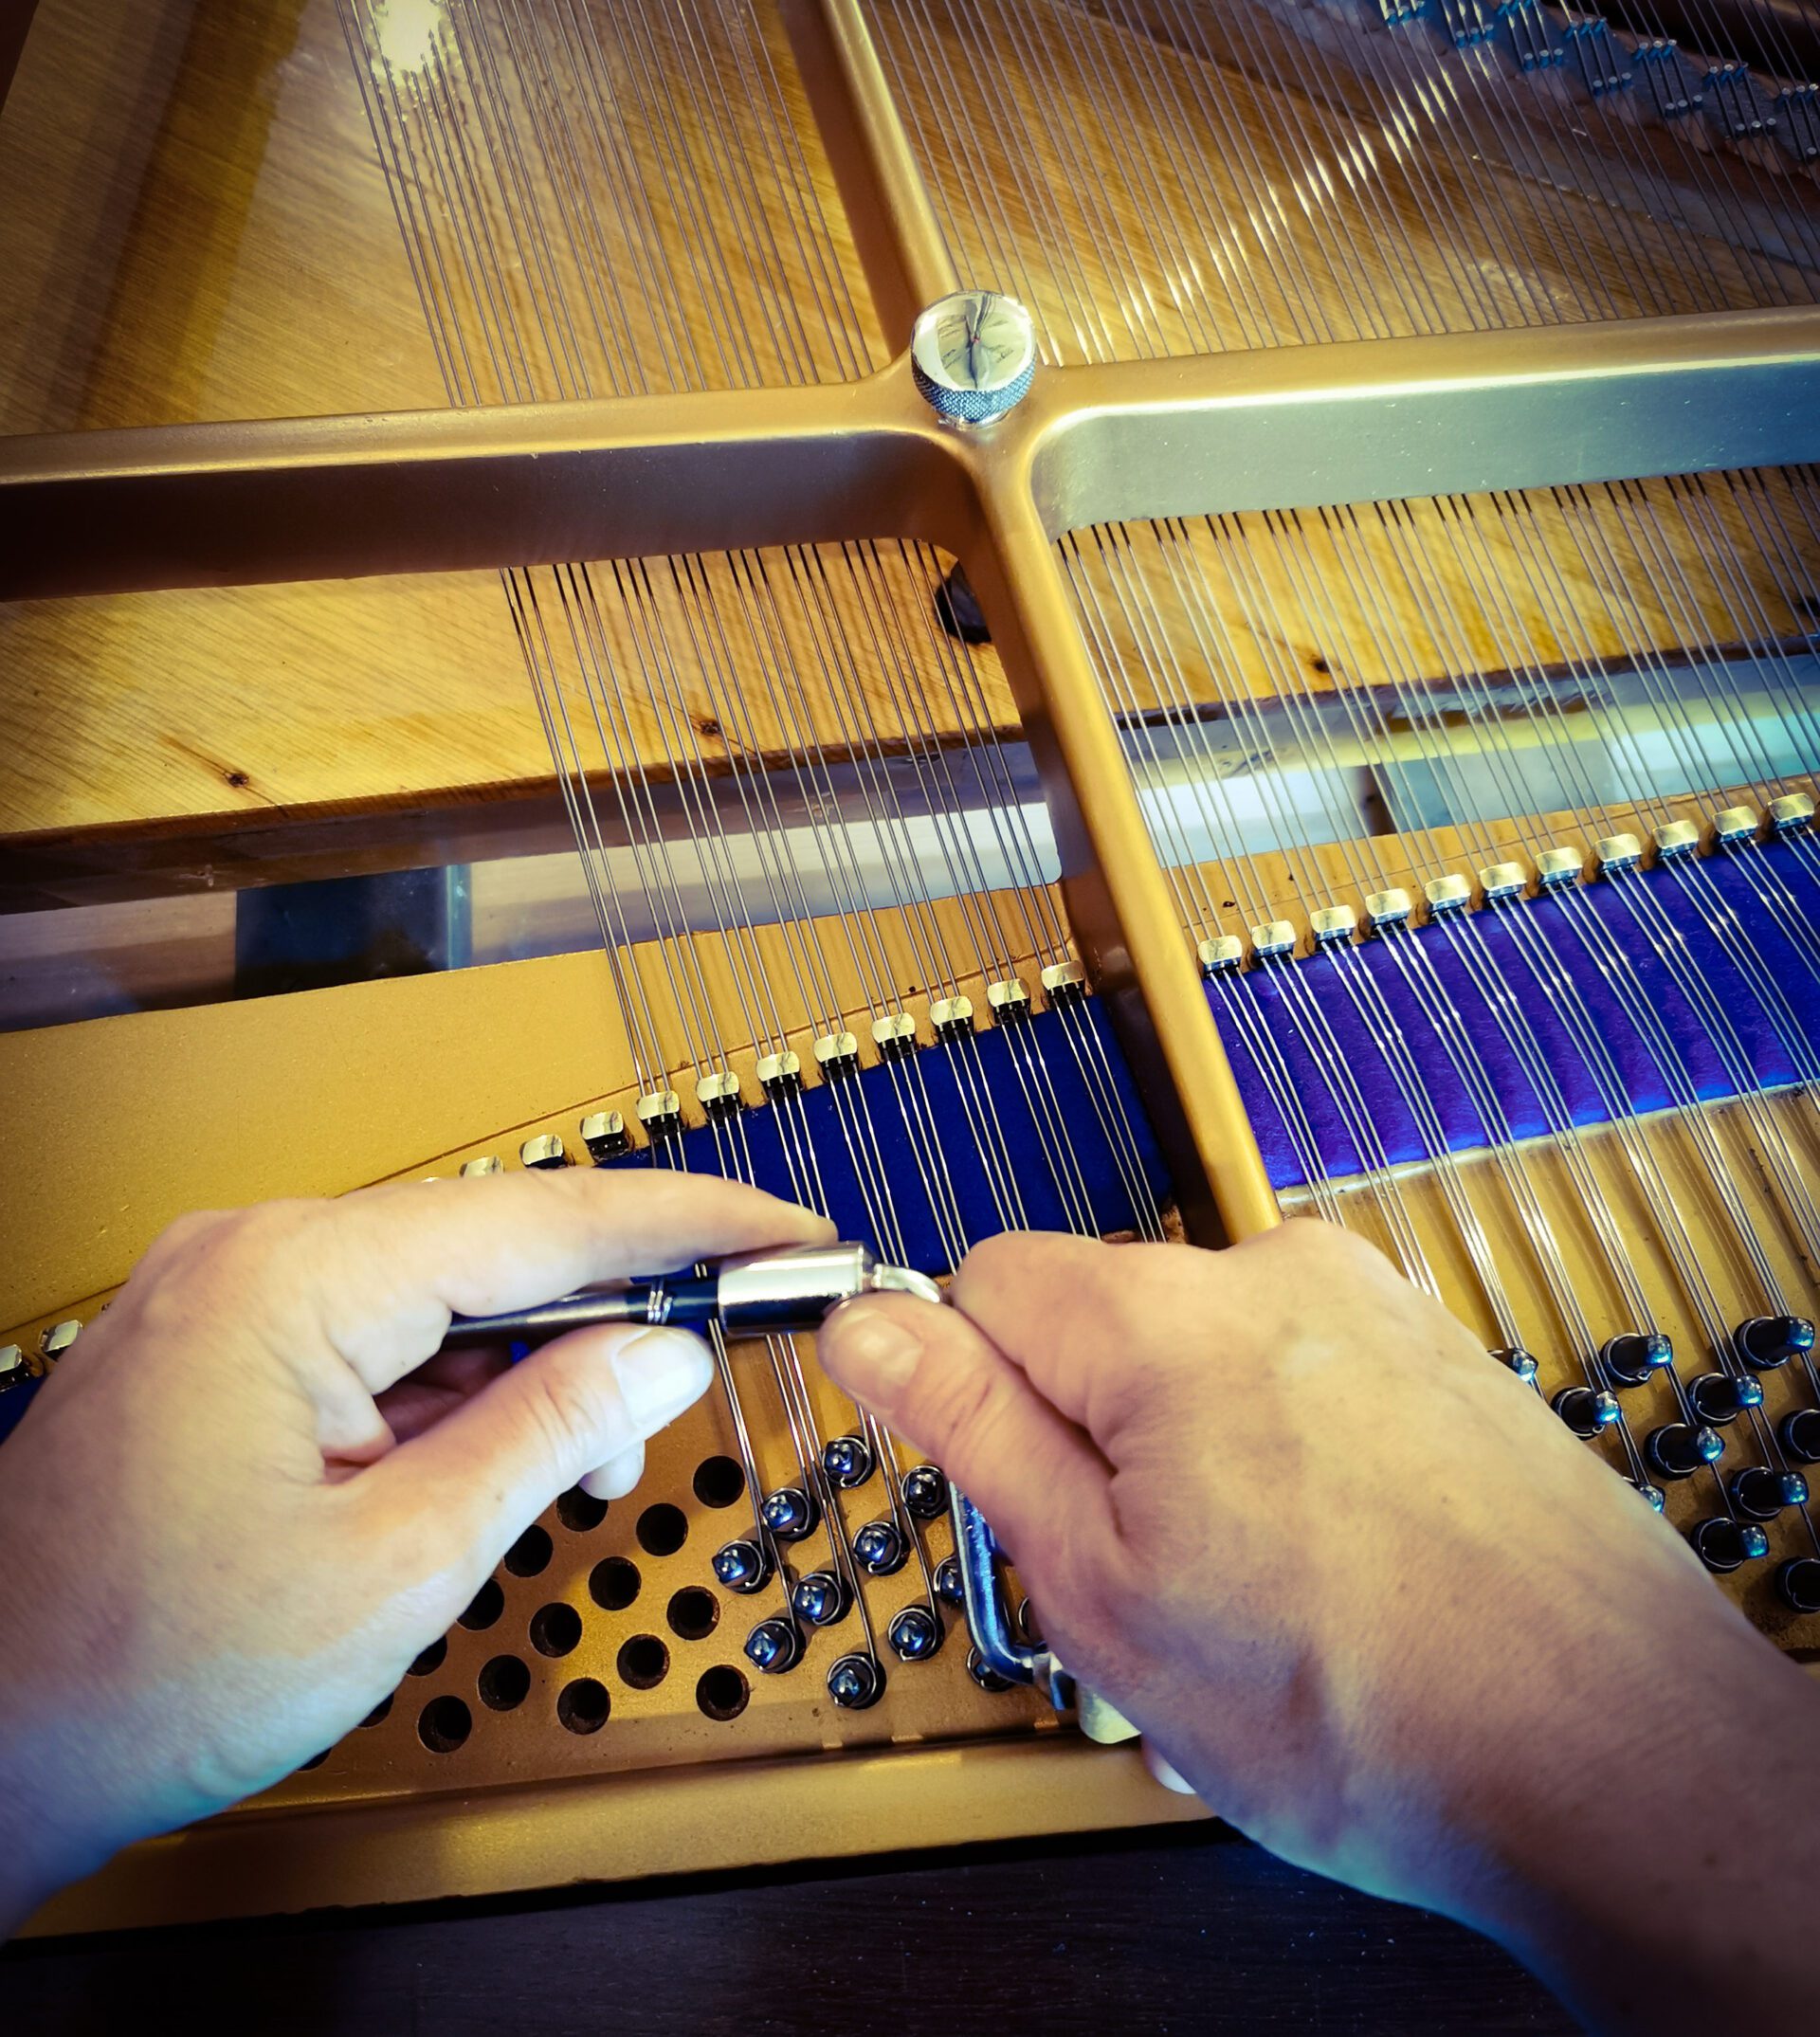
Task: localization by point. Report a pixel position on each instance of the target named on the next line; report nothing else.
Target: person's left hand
(245, 1501)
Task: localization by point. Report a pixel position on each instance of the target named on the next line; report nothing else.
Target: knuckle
(570, 1409)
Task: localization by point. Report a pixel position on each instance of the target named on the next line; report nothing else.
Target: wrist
(1656, 1866)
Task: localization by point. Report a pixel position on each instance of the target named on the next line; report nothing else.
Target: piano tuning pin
(789, 1513)
(1586, 1410)
(894, 1035)
(1799, 1434)
(1793, 810)
(1724, 1544)
(925, 1491)
(1602, 58)
(55, 1343)
(1027, 1622)
(1632, 1357)
(914, 1634)
(951, 1018)
(1733, 103)
(1721, 1397)
(987, 1679)
(605, 1138)
(1770, 1341)
(660, 1111)
(1760, 1493)
(848, 1461)
(1798, 128)
(1534, 45)
(718, 1095)
(1677, 1450)
(1651, 1494)
(741, 1565)
(878, 1548)
(1734, 824)
(1467, 22)
(819, 1599)
(489, 1163)
(1522, 1362)
(855, 1681)
(836, 1054)
(948, 1582)
(1797, 1583)
(1672, 90)
(14, 1369)
(546, 1151)
(774, 1646)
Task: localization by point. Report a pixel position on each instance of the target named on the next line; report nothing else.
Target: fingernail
(660, 1373)
(870, 1352)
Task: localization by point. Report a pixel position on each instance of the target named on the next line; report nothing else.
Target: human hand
(246, 1501)
(1373, 1600)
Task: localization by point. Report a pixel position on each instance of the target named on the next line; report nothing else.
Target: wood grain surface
(199, 226)
(1152, 1934)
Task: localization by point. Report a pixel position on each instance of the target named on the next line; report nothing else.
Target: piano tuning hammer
(757, 1294)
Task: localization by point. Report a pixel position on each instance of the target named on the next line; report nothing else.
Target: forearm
(1673, 1887)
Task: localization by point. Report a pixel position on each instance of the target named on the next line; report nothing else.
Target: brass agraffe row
(326, 497)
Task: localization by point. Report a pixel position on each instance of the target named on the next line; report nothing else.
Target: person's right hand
(1377, 1604)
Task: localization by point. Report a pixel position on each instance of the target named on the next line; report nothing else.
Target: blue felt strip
(1033, 1126)
(1591, 965)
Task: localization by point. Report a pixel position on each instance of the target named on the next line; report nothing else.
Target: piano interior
(1343, 746)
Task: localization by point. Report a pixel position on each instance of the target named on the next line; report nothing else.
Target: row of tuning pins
(1503, 883)
(1678, 1450)
(822, 1598)
(1539, 38)
(606, 1135)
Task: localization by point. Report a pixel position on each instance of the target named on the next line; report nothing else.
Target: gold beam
(220, 504)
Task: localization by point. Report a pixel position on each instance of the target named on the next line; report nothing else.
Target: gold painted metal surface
(1286, 419)
(210, 506)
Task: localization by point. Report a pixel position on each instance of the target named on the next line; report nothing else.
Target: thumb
(574, 1405)
(926, 1372)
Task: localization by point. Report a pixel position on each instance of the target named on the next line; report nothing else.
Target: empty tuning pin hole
(443, 1724)
(555, 1629)
(483, 1608)
(583, 1706)
(644, 1663)
(720, 1693)
(505, 1683)
(719, 1482)
(530, 1555)
(580, 1512)
(694, 1613)
(614, 1583)
(662, 1529)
